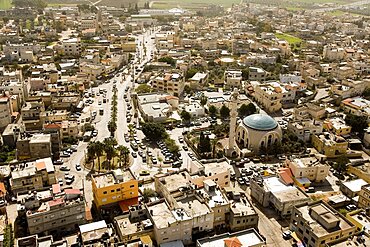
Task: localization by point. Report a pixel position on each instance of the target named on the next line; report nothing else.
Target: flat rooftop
(316, 227)
(193, 207)
(161, 215)
(216, 168)
(355, 185)
(248, 237)
(110, 178)
(242, 206)
(175, 181)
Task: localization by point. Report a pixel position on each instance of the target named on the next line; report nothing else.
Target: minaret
(233, 114)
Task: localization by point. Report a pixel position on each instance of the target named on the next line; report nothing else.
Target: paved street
(121, 81)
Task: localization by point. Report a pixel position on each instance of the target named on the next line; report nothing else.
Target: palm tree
(91, 151)
(123, 154)
(110, 151)
(99, 148)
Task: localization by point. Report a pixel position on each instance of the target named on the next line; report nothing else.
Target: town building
(114, 187)
(337, 126)
(271, 191)
(257, 74)
(304, 129)
(171, 83)
(50, 212)
(33, 146)
(233, 78)
(330, 144)
(248, 237)
(33, 176)
(308, 168)
(364, 196)
(71, 47)
(317, 224)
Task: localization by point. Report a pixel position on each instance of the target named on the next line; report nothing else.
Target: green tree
(154, 131)
(204, 144)
(91, 152)
(185, 116)
(245, 74)
(246, 110)
(143, 88)
(147, 193)
(168, 60)
(224, 112)
(212, 111)
(341, 163)
(8, 236)
(358, 123)
(203, 100)
(112, 127)
(123, 155)
(171, 145)
(99, 149)
(190, 73)
(109, 150)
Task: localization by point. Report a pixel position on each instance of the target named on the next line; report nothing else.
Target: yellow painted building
(359, 219)
(330, 144)
(337, 126)
(113, 187)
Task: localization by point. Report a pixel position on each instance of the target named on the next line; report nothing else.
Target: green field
(5, 4)
(289, 38)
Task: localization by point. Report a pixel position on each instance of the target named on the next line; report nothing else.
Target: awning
(129, 202)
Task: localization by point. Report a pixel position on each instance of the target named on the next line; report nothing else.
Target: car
(185, 148)
(69, 176)
(64, 168)
(149, 153)
(60, 181)
(58, 162)
(144, 173)
(78, 167)
(241, 181)
(154, 160)
(181, 139)
(287, 234)
(351, 207)
(65, 154)
(176, 164)
(2, 203)
(134, 154)
(310, 189)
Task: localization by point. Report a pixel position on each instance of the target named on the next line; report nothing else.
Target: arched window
(269, 140)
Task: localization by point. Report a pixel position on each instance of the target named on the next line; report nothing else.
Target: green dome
(260, 122)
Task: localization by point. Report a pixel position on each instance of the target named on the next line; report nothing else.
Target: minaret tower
(231, 151)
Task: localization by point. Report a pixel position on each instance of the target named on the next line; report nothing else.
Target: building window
(118, 190)
(104, 192)
(112, 191)
(132, 186)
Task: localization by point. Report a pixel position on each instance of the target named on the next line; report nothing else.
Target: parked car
(144, 173)
(58, 162)
(78, 167)
(287, 234)
(64, 168)
(60, 181)
(134, 154)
